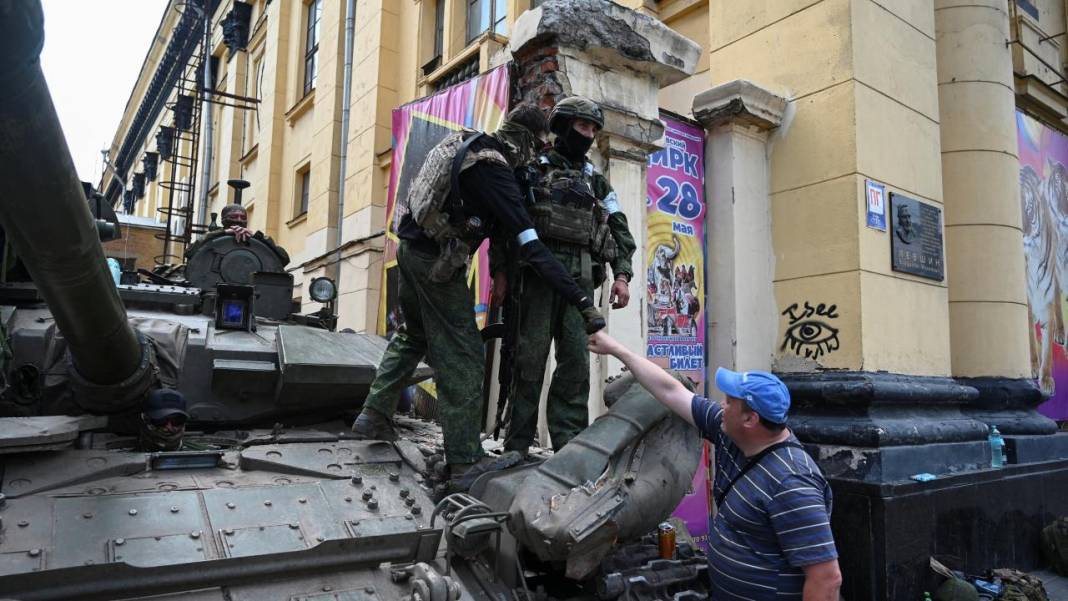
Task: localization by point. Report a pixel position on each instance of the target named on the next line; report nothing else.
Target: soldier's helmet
(571, 108)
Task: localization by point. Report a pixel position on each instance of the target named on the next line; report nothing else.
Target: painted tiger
(1043, 288)
(1057, 198)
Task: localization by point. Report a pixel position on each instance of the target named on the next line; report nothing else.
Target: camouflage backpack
(437, 181)
(1019, 586)
(1055, 545)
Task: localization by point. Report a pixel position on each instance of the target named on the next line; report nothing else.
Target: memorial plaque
(916, 238)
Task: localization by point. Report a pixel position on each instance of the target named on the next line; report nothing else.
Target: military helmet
(571, 108)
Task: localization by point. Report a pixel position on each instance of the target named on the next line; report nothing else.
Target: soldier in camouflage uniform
(439, 319)
(577, 214)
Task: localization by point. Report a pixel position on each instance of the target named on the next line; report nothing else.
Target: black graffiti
(795, 313)
(808, 337)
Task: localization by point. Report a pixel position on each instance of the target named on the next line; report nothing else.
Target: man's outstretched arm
(651, 376)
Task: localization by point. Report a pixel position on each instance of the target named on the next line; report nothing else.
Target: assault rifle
(508, 331)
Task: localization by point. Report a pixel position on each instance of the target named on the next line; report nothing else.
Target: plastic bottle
(116, 270)
(927, 596)
(997, 448)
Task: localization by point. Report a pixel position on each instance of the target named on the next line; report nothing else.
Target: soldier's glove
(594, 320)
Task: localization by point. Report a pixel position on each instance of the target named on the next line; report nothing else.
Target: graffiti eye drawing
(811, 339)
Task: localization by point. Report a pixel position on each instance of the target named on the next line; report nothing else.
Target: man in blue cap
(163, 418)
(771, 538)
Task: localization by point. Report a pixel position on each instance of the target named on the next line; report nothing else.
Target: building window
(303, 191)
(253, 88)
(311, 44)
(439, 28)
(486, 15)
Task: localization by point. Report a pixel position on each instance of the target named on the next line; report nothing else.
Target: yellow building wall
(863, 104)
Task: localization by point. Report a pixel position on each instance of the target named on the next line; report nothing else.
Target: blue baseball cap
(164, 402)
(763, 392)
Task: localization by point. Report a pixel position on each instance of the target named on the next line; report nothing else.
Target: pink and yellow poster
(479, 103)
(675, 277)
(1044, 204)
(675, 252)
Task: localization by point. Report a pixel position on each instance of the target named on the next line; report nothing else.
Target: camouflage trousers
(546, 318)
(439, 324)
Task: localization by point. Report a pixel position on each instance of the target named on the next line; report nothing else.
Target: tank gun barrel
(45, 215)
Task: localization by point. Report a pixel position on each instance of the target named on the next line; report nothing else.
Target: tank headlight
(322, 290)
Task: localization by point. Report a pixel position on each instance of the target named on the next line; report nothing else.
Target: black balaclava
(573, 145)
(520, 145)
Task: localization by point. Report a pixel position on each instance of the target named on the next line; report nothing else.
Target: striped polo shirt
(773, 522)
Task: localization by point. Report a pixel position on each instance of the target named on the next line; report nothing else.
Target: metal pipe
(343, 154)
(205, 116)
(44, 212)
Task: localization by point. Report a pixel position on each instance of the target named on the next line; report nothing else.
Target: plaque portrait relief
(904, 230)
(916, 240)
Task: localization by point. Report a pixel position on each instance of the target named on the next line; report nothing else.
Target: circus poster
(1044, 204)
(675, 276)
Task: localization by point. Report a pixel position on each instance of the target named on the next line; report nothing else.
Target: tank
(268, 496)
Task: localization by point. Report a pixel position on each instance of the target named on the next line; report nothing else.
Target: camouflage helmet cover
(574, 107)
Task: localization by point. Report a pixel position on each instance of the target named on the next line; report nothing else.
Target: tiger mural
(1043, 287)
(1057, 199)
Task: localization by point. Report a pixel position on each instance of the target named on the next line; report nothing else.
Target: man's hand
(498, 289)
(620, 294)
(594, 320)
(603, 344)
(241, 234)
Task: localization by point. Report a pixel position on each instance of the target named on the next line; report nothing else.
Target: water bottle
(997, 448)
(116, 270)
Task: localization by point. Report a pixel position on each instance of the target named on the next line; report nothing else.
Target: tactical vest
(567, 214)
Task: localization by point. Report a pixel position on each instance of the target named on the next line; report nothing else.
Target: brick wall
(138, 243)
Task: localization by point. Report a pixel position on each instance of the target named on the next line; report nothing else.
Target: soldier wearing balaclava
(577, 214)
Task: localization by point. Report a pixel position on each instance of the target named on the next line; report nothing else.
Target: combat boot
(464, 474)
(372, 425)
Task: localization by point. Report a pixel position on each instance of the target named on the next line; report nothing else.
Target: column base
(871, 431)
(1010, 404)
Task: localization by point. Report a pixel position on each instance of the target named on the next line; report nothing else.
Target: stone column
(984, 240)
(620, 59)
(741, 271)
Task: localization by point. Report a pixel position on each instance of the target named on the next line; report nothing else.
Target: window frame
(312, 18)
(302, 201)
(492, 24)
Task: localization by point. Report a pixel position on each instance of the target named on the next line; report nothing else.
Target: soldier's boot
(465, 474)
(372, 425)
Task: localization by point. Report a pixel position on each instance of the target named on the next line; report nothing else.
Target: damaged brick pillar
(620, 59)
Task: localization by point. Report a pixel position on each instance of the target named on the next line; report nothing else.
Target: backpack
(1019, 586)
(438, 181)
(1055, 545)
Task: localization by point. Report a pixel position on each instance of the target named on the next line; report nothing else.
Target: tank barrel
(45, 215)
